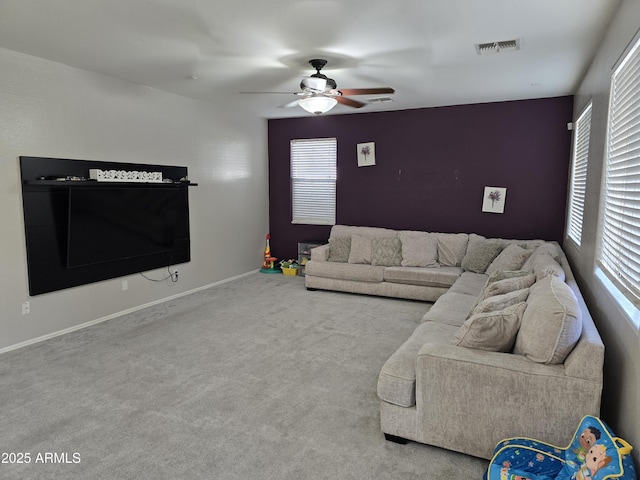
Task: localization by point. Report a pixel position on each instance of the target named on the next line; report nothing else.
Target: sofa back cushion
(480, 254)
(339, 249)
(511, 258)
(360, 249)
(386, 252)
(551, 324)
(546, 248)
(419, 249)
(545, 265)
(452, 248)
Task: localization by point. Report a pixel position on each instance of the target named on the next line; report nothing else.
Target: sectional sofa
(507, 349)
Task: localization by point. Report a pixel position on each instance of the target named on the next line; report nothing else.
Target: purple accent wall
(431, 168)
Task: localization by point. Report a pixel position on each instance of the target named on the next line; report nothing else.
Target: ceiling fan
(320, 93)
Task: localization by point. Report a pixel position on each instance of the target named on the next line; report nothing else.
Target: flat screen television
(117, 223)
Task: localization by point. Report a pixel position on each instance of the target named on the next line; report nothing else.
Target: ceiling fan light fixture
(318, 104)
(314, 83)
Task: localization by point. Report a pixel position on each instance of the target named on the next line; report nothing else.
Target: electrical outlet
(26, 308)
(125, 285)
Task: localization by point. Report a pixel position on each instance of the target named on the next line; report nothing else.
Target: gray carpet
(253, 379)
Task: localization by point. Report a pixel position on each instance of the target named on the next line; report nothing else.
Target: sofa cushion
(546, 248)
(386, 251)
(451, 248)
(424, 276)
(450, 309)
(346, 271)
(397, 379)
(508, 285)
(480, 255)
(500, 302)
(511, 258)
(419, 249)
(469, 283)
(360, 249)
(503, 274)
(551, 324)
(339, 249)
(492, 331)
(545, 265)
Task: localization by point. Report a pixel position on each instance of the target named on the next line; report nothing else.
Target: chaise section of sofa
(433, 390)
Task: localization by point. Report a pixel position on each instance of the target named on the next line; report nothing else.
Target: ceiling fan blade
(366, 91)
(350, 102)
(276, 93)
(262, 93)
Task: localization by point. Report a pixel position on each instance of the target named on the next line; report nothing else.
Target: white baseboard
(119, 314)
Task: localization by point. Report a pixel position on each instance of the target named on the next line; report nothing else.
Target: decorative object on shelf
(269, 264)
(289, 267)
(124, 176)
(493, 199)
(366, 154)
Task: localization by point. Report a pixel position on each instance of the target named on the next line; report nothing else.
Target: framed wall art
(493, 199)
(366, 154)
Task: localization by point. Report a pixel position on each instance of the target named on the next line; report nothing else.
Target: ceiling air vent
(497, 47)
(380, 100)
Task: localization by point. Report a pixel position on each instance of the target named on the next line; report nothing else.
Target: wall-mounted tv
(80, 231)
(107, 224)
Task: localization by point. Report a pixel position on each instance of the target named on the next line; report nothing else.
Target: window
(582, 133)
(313, 181)
(619, 249)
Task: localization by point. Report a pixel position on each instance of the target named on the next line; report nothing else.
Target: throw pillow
(419, 249)
(386, 252)
(547, 248)
(552, 323)
(511, 258)
(451, 248)
(500, 302)
(502, 274)
(544, 265)
(480, 255)
(508, 285)
(339, 249)
(493, 331)
(360, 249)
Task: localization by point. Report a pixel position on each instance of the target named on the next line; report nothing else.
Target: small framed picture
(493, 199)
(366, 154)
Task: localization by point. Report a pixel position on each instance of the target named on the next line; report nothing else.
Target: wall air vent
(497, 47)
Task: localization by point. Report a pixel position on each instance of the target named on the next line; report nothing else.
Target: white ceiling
(212, 50)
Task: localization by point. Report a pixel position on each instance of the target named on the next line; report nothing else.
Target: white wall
(621, 397)
(53, 110)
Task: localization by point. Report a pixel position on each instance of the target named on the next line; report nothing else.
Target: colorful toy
(289, 267)
(594, 454)
(269, 265)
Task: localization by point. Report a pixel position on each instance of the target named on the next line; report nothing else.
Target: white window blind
(619, 253)
(313, 181)
(578, 187)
